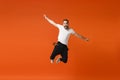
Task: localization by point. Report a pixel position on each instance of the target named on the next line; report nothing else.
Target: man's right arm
(50, 21)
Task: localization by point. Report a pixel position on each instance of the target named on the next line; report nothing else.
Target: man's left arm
(81, 37)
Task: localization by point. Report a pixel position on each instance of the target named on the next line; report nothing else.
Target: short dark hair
(66, 20)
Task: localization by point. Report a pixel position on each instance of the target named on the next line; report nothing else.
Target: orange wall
(26, 39)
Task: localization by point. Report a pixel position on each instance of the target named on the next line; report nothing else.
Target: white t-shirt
(64, 34)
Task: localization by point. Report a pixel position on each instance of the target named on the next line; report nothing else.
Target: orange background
(26, 39)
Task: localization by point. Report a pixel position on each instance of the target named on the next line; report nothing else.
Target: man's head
(66, 23)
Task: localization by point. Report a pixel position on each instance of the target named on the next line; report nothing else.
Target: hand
(54, 44)
(45, 16)
(86, 39)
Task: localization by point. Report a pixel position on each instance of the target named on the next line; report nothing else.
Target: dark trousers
(62, 50)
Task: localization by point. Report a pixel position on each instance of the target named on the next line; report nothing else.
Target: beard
(66, 27)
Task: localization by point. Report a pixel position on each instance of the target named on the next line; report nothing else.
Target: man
(61, 46)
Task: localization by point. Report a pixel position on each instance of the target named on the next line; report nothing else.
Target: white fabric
(64, 34)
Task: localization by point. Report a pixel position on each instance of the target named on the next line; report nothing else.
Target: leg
(55, 52)
(64, 55)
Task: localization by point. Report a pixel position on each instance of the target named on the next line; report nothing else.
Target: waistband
(61, 43)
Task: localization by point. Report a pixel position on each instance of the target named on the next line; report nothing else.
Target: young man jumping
(61, 46)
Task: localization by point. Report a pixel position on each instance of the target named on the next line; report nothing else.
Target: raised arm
(50, 21)
(81, 37)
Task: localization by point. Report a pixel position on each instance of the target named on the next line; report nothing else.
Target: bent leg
(55, 52)
(64, 55)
